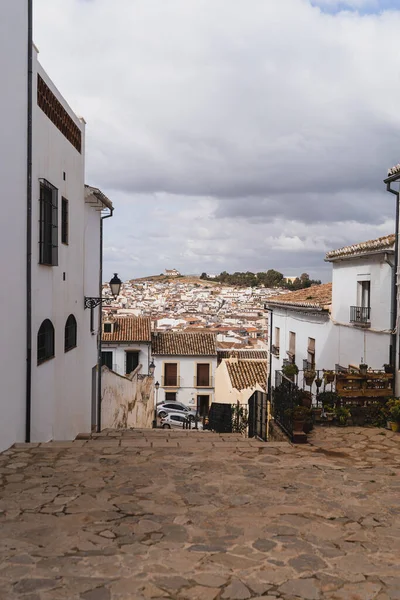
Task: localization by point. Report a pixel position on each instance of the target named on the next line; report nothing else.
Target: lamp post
(152, 368)
(157, 386)
(93, 301)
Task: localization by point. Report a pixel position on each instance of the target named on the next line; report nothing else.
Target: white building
(346, 322)
(126, 344)
(50, 232)
(185, 368)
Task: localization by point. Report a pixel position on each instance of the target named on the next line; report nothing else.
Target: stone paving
(199, 516)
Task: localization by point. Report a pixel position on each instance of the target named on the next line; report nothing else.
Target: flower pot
(309, 380)
(329, 377)
(394, 426)
(298, 425)
(363, 370)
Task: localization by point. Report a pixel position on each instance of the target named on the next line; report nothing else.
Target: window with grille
(70, 333)
(64, 221)
(48, 231)
(45, 342)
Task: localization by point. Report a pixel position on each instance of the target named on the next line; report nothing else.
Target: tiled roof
(394, 170)
(316, 296)
(129, 329)
(382, 243)
(251, 354)
(246, 374)
(184, 344)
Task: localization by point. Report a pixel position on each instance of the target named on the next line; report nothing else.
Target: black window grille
(64, 221)
(70, 333)
(48, 234)
(45, 342)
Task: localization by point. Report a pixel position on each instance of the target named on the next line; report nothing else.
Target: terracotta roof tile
(184, 344)
(316, 296)
(129, 329)
(246, 374)
(249, 354)
(382, 243)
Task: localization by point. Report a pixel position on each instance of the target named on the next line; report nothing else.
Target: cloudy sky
(231, 134)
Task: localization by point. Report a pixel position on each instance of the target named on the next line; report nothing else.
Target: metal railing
(203, 382)
(284, 400)
(360, 314)
(172, 382)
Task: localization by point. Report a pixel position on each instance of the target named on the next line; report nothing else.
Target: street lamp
(93, 301)
(157, 386)
(152, 368)
(115, 285)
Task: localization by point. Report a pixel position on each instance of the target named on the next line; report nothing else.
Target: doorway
(203, 405)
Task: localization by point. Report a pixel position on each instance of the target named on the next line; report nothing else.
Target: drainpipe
(100, 333)
(28, 387)
(393, 357)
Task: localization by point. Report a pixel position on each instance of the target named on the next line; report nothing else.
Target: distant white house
(346, 322)
(172, 273)
(185, 368)
(126, 343)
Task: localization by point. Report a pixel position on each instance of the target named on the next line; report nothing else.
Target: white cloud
(230, 133)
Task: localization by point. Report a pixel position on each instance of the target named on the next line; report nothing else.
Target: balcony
(360, 315)
(203, 382)
(170, 382)
(275, 351)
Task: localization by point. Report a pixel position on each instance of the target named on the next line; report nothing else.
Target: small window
(170, 397)
(45, 342)
(107, 359)
(64, 221)
(70, 333)
(277, 337)
(107, 327)
(48, 225)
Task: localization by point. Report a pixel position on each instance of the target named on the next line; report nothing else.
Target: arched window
(70, 333)
(45, 341)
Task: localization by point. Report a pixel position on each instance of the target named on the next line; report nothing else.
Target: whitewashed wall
(187, 392)
(345, 277)
(61, 387)
(304, 325)
(126, 401)
(13, 192)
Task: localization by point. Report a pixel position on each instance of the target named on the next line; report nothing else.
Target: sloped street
(201, 516)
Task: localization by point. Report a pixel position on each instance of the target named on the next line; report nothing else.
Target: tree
(273, 278)
(203, 276)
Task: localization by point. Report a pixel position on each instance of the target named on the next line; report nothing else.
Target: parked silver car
(177, 407)
(178, 420)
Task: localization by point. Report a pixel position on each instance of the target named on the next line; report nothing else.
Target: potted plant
(290, 371)
(342, 415)
(363, 368)
(328, 399)
(309, 376)
(329, 376)
(304, 398)
(318, 382)
(300, 415)
(388, 368)
(394, 414)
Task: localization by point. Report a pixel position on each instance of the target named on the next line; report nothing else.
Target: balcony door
(202, 375)
(131, 361)
(171, 374)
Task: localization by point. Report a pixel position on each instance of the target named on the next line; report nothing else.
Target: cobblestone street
(199, 516)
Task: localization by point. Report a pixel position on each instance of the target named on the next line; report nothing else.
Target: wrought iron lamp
(152, 368)
(115, 285)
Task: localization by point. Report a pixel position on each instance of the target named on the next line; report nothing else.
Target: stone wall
(126, 401)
